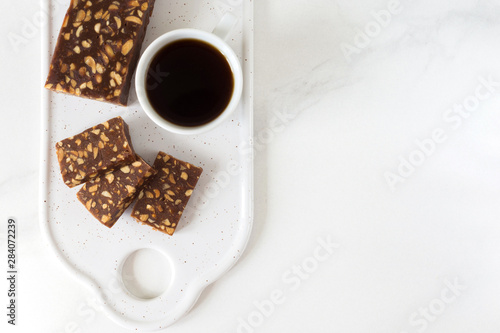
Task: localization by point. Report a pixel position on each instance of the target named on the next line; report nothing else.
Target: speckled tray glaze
(217, 223)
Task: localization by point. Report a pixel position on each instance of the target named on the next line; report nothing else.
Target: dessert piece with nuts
(165, 196)
(94, 151)
(98, 48)
(107, 196)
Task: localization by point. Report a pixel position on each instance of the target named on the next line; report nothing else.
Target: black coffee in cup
(189, 82)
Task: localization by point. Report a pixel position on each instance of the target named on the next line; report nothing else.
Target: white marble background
(348, 94)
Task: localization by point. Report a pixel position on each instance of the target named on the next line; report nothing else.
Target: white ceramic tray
(217, 223)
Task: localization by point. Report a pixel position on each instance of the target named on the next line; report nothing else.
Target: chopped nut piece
(106, 194)
(79, 31)
(104, 138)
(134, 19)
(91, 63)
(80, 16)
(110, 177)
(109, 50)
(118, 22)
(127, 47)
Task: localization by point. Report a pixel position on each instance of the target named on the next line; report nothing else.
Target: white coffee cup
(216, 40)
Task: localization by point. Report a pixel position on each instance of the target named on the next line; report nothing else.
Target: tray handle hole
(146, 273)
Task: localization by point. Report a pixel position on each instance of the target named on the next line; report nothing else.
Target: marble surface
(377, 184)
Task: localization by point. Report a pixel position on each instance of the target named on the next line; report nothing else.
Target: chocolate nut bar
(94, 151)
(165, 196)
(108, 196)
(98, 48)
